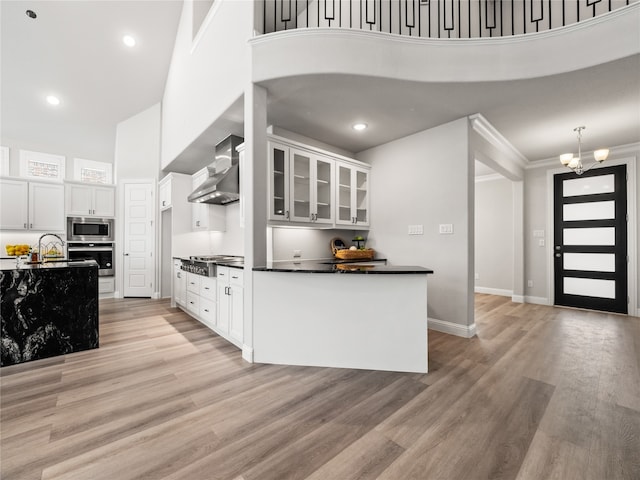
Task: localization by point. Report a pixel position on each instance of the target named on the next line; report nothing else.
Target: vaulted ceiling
(74, 50)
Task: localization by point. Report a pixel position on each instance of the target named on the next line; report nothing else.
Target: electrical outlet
(541, 242)
(530, 283)
(297, 253)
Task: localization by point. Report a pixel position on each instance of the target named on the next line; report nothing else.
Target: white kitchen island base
(364, 321)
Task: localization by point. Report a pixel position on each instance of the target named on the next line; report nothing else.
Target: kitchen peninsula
(47, 309)
(324, 314)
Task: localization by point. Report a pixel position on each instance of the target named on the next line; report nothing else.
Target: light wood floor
(541, 393)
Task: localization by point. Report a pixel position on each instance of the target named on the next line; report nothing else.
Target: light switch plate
(416, 230)
(446, 228)
(538, 233)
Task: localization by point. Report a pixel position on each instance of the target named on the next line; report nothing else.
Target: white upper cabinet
(352, 195)
(90, 200)
(31, 205)
(306, 188)
(310, 183)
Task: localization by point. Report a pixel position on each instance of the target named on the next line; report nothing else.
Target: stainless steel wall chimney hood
(223, 184)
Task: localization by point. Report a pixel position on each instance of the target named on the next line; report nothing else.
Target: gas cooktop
(216, 258)
(206, 264)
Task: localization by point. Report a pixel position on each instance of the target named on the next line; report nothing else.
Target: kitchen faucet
(40, 243)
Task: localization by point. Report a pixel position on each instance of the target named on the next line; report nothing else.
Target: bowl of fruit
(17, 250)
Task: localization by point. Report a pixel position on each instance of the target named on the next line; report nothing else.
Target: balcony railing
(434, 18)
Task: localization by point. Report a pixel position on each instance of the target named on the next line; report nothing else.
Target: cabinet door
(278, 182)
(180, 287)
(300, 185)
(79, 200)
(323, 196)
(14, 202)
(223, 307)
(237, 312)
(104, 201)
(164, 193)
(46, 207)
(360, 194)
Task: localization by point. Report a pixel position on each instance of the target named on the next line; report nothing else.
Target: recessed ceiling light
(53, 100)
(129, 41)
(359, 126)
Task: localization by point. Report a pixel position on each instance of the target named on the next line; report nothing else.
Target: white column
(255, 199)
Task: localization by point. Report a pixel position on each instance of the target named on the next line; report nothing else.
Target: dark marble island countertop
(47, 309)
(339, 266)
(11, 264)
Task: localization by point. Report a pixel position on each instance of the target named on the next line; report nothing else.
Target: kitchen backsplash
(312, 243)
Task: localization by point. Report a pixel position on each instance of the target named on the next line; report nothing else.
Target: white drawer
(193, 303)
(208, 288)
(223, 273)
(106, 284)
(236, 276)
(208, 312)
(193, 283)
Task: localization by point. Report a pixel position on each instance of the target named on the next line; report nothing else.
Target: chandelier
(575, 163)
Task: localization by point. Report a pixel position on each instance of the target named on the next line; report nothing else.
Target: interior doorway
(590, 239)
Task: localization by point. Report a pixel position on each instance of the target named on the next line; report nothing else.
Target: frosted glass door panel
(324, 175)
(590, 287)
(590, 262)
(279, 180)
(589, 211)
(344, 194)
(590, 236)
(301, 187)
(362, 199)
(588, 186)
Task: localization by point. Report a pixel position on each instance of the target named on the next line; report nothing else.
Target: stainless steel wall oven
(102, 253)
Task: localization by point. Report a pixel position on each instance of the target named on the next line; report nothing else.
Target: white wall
(425, 179)
(137, 156)
(204, 79)
(138, 145)
(494, 236)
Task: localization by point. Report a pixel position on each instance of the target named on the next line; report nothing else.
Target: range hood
(222, 186)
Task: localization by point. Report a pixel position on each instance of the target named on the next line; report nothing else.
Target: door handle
(126, 254)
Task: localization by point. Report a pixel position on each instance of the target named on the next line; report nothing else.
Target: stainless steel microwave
(86, 229)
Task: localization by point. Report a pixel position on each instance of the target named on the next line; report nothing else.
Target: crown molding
(482, 127)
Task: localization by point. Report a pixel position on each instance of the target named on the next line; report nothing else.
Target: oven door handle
(90, 249)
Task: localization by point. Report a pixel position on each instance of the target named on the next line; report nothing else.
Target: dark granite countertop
(10, 264)
(330, 266)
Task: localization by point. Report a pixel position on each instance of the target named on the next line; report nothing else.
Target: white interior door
(139, 261)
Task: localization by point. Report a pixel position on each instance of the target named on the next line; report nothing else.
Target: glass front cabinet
(353, 195)
(315, 188)
(301, 186)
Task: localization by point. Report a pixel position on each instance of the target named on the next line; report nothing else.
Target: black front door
(590, 239)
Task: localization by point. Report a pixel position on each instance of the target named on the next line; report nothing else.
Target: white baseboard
(247, 353)
(518, 298)
(493, 291)
(536, 300)
(465, 331)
